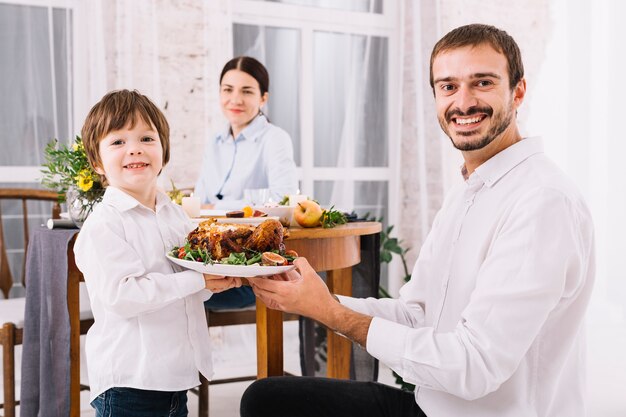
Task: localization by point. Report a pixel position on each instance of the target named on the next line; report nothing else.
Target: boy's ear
(98, 170)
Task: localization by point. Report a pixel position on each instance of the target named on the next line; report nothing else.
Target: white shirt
(260, 157)
(491, 322)
(150, 329)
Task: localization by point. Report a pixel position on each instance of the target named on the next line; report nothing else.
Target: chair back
(20, 212)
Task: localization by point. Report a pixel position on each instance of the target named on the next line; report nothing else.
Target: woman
(250, 153)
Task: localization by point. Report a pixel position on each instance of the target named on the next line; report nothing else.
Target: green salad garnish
(249, 257)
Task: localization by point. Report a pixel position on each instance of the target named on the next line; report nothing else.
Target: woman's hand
(217, 283)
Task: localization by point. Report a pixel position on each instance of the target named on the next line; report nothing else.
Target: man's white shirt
(492, 320)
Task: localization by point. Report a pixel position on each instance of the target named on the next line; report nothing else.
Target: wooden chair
(227, 318)
(12, 310)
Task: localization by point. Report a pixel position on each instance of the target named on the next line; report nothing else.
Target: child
(150, 337)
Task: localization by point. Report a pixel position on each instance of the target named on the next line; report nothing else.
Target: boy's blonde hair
(113, 112)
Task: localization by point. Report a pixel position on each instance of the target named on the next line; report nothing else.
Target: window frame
(308, 20)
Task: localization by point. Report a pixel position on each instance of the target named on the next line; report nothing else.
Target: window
(334, 87)
(36, 89)
(368, 6)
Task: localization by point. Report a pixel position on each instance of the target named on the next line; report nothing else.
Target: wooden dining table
(334, 251)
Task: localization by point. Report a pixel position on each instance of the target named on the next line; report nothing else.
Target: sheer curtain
(279, 50)
(350, 116)
(35, 93)
(578, 107)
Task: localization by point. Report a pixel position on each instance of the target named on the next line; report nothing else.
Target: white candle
(191, 205)
(296, 198)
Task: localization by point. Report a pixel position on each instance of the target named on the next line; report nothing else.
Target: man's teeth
(468, 121)
(136, 165)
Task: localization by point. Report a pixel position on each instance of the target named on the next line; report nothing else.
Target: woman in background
(250, 153)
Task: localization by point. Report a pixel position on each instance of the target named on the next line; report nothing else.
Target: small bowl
(284, 213)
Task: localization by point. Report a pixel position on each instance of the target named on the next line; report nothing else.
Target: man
(491, 323)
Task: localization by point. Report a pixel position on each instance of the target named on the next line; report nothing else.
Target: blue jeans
(131, 402)
(229, 299)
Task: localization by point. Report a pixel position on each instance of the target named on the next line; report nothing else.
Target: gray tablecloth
(45, 388)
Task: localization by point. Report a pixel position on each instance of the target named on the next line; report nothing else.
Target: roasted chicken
(222, 239)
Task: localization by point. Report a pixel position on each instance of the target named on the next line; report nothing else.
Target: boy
(150, 336)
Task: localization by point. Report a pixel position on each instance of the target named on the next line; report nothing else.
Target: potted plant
(68, 171)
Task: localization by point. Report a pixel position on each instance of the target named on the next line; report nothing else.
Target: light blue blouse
(260, 157)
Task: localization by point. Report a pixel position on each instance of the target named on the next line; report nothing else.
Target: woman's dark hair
(251, 67)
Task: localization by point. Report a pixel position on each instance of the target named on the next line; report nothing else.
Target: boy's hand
(216, 283)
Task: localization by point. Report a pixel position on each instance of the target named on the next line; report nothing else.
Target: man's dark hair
(478, 34)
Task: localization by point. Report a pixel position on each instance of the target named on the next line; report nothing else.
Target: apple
(308, 213)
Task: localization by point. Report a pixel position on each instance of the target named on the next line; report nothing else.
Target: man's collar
(251, 132)
(492, 170)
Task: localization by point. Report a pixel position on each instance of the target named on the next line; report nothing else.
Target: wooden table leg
(73, 280)
(339, 282)
(269, 341)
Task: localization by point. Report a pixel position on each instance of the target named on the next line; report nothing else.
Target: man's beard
(499, 124)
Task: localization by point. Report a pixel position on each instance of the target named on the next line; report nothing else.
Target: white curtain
(578, 107)
(575, 102)
(278, 49)
(35, 93)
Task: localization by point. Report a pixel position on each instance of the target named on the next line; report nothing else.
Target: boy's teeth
(135, 165)
(468, 121)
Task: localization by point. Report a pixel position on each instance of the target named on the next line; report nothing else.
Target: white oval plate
(231, 270)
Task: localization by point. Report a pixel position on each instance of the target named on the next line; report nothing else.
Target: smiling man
(491, 322)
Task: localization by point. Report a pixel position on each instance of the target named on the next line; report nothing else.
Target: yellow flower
(78, 147)
(84, 180)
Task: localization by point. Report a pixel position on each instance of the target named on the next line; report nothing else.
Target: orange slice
(247, 211)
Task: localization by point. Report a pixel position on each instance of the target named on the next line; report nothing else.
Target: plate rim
(200, 265)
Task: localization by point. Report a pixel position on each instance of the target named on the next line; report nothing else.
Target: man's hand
(299, 291)
(216, 283)
(303, 292)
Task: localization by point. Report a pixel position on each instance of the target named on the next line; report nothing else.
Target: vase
(80, 205)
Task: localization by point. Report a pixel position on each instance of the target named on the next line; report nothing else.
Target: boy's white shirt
(150, 329)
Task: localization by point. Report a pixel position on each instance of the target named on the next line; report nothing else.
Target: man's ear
(519, 92)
